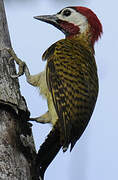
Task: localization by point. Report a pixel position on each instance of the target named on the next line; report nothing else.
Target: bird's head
(74, 21)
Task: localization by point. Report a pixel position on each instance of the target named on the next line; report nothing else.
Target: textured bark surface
(9, 88)
(17, 150)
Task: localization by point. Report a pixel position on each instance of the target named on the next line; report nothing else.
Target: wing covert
(72, 80)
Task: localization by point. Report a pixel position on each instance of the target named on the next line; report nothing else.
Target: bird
(69, 81)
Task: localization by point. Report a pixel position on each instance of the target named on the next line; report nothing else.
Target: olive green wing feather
(57, 89)
(72, 80)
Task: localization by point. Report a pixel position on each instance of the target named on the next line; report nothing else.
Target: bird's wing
(59, 96)
(68, 80)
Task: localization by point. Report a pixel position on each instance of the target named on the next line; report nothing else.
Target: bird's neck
(85, 38)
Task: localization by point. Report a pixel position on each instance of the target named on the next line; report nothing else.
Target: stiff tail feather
(47, 152)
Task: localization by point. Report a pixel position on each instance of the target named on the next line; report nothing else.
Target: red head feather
(95, 24)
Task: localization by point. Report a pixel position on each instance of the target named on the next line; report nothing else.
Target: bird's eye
(67, 12)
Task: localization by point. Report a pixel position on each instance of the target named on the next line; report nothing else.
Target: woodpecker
(69, 81)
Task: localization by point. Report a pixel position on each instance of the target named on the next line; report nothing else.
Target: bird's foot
(40, 120)
(45, 118)
(18, 61)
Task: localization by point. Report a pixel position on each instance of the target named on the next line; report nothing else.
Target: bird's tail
(47, 152)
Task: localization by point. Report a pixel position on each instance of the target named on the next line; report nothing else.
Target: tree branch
(17, 150)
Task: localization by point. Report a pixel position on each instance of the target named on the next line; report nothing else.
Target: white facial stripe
(75, 18)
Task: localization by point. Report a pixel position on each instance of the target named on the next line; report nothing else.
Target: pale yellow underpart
(39, 80)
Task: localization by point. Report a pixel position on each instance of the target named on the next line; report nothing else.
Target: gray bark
(17, 151)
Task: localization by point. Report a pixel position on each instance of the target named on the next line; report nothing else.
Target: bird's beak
(51, 19)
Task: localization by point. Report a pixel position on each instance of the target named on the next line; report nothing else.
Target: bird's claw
(18, 61)
(35, 120)
(32, 119)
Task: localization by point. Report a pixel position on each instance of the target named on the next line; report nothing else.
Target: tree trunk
(17, 150)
